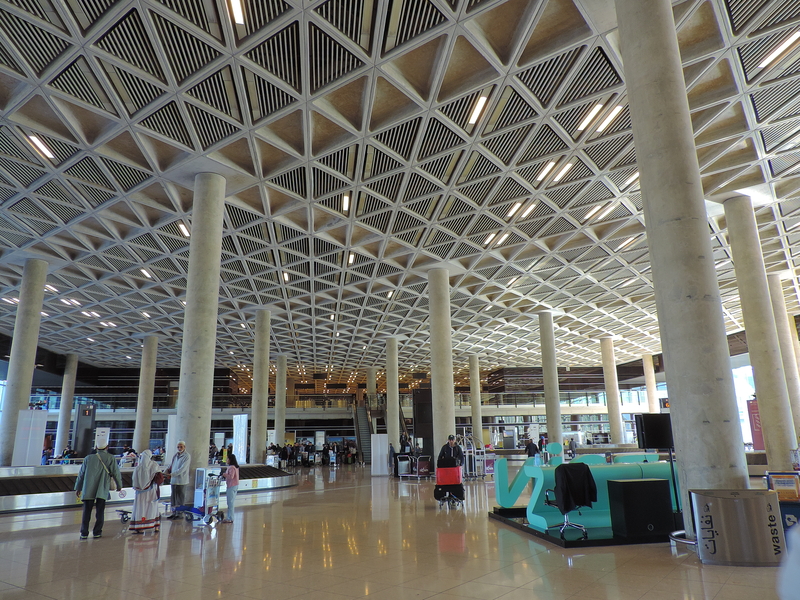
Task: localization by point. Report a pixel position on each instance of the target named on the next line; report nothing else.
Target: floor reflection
(344, 534)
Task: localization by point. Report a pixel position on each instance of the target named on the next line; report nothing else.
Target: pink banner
(755, 424)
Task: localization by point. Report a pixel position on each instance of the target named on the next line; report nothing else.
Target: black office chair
(575, 489)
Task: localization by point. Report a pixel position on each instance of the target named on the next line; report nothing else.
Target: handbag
(112, 486)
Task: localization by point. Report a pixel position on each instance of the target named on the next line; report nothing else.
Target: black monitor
(654, 430)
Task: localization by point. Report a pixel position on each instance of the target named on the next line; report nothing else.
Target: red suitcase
(448, 475)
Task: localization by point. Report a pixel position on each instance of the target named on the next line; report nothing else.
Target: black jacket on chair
(575, 487)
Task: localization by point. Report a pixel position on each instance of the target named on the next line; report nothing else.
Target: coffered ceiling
(357, 157)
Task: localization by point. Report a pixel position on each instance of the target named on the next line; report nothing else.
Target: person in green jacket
(92, 487)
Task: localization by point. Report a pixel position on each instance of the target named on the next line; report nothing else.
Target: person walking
(231, 476)
(178, 474)
(93, 484)
(146, 478)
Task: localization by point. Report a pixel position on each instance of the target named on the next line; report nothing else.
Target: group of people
(303, 452)
(100, 474)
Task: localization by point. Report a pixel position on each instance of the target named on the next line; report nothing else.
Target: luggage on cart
(318, 458)
(449, 487)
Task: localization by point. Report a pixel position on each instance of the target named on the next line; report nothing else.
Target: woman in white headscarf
(145, 503)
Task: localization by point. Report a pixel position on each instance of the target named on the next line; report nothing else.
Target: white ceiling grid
(309, 102)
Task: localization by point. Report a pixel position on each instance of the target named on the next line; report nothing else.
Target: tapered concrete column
(260, 402)
(788, 357)
(200, 319)
(552, 394)
(475, 399)
(23, 354)
(280, 400)
(372, 384)
(795, 340)
(613, 400)
(144, 402)
(705, 417)
(442, 386)
(65, 409)
(651, 388)
(762, 335)
(392, 393)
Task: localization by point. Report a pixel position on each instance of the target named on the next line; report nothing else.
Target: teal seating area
(540, 516)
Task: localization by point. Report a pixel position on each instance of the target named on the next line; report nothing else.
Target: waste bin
(738, 527)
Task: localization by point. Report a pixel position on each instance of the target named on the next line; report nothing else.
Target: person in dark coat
(531, 448)
(451, 450)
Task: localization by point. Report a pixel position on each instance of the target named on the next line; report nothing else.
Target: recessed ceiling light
(184, 229)
(285, 276)
(546, 170)
(780, 49)
(592, 114)
(345, 203)
(562, 172)
(592, 212)
(39, 145)
(476, 112)
(146, 274)
(625, 243)
(351, 258)
(528, 210)
(145, 315)
(44, 314)
(611, 116)
(237, 12)
(606, 212)
(502, 239)
(8, 300)
(51, 288)
(631, 179)
(489, 238)
(514, 209)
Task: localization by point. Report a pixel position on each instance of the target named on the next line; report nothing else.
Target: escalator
(363, 428)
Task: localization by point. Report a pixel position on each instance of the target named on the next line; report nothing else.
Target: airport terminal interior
(358, 149)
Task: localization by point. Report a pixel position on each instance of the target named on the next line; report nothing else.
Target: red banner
(755, 424)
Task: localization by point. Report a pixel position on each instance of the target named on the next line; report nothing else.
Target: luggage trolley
(205, 511)
(449, 490)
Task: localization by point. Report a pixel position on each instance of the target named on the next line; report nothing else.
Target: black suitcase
(457, 491)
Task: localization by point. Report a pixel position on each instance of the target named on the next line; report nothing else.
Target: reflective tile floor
(343, 534)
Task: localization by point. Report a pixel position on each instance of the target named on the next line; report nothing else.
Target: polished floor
(343, 534)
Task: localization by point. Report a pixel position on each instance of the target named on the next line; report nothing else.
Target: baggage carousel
(41, 488)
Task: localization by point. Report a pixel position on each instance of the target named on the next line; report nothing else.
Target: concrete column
(144, 402)
(613, 400)
(442, 386)
(475, 399)
(260, 403)
(372, 384)
(705, 417)
(22, 361)
(552, 394)
(788, 357)
(795, 340)
(280, 400)
(762, 335)
(200, 318)
(65, 410)
(392, 394)
(651, 388)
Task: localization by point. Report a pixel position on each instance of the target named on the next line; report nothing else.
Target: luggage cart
(449, 490)
(205, 511)
(406, 465)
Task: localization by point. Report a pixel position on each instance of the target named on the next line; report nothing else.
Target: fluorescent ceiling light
(51, 288)
(631, 179)
(285, 276)
(332, 317)
(65, 301)
(389, 295)
(562, 172)
(607, 121)
(528, 210)
(39, 144)
(75, 302)
(592, 212)
(502, 239)
(780, 49)
(7, 300)
(147, 316)
(345, 203)
(184, 229)
(94, 314)
(626, 242)
(490, 237)
(238, 13)
(590, 117)
(351, 258)
(512, 281)
(243, 326)
(606, 212)
(514, 209)
(90, 339)
(145, 273)
(546, 170)
(83, 312)
(44, 314)
(476, 112)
